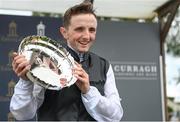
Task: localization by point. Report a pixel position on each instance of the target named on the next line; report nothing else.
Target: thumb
(14, 54)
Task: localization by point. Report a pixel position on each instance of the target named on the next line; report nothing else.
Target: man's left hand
(82, 78)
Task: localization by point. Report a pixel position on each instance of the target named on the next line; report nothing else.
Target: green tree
(173, 37)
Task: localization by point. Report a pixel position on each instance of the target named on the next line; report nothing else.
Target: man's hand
(82, 78)
(20, 65)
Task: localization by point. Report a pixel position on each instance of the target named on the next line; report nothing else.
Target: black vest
(67, 104)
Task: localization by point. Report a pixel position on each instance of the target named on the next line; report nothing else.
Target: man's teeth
(84, 43)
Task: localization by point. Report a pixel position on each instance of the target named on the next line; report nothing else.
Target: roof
(134, 9)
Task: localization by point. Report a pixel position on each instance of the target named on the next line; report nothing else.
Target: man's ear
(63, 32)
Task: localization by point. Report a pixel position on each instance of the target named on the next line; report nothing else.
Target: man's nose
(86, 34)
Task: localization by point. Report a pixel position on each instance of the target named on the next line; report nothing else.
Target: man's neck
(80, 55)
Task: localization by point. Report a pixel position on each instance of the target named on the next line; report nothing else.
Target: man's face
(81, 32)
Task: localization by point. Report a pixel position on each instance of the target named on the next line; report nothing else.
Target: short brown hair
(85, 7)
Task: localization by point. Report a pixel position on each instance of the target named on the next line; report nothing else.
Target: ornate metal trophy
(51, 63)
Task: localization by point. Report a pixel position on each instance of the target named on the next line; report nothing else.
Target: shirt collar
(80, 55)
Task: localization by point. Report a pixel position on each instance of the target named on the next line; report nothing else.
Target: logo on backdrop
(11, 86)
(12, 35)
(10, 117)
(8, 66)
(12, 29)
(10, 90)
(135, 70)
(41, 29)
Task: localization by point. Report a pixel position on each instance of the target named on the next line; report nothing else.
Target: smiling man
(94, 96)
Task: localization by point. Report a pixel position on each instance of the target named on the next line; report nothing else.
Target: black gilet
(66, 104)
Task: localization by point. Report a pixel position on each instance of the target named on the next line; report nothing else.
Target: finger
(79, 67)
(19, 56)
(83, 77)
(24, 71)
(18, 62)
(79, 71)
(80, 78)
(14, 54)
(21, 60)
(77, 64)
(22, 66)
(78, 83)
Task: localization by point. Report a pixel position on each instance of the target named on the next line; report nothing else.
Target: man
(94, 96)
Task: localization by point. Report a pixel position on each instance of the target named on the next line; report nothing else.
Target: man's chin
(83, 50)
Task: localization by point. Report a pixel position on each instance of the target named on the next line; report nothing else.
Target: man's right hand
(20, 65)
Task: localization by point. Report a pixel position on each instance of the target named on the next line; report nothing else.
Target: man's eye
(92, 30)
(79, 29)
